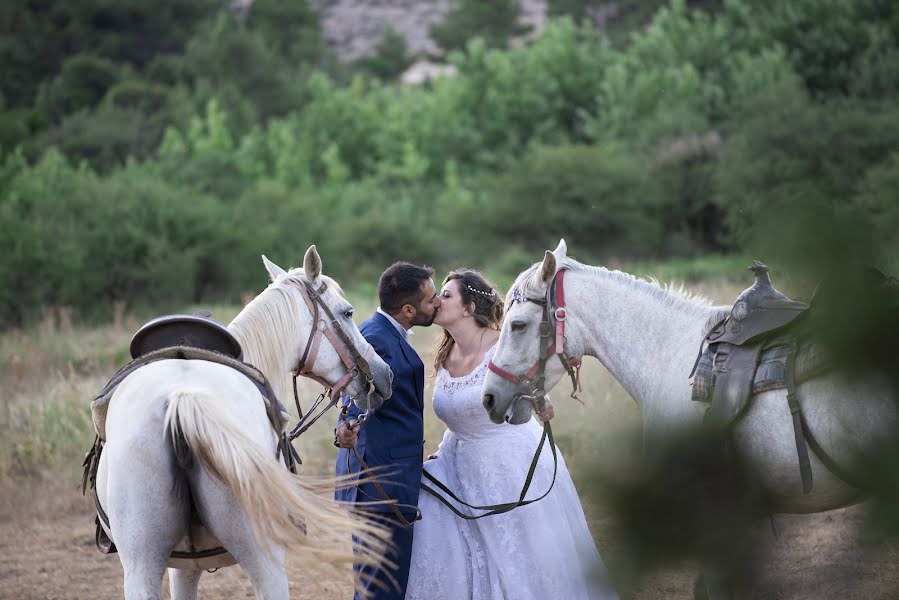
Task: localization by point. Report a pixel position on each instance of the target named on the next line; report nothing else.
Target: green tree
(495, 22)
(290, 29)
(36, 37)
(82, 82)
(234, 64)
(877, 199)
(602, 199)
(104, 137)
(786, 149)
(391, 57)
(827, 39)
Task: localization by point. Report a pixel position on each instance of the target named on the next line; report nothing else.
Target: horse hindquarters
(143, 493)
(226, 486)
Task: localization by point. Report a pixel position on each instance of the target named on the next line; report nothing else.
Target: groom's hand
(544, 409)
(347, 434)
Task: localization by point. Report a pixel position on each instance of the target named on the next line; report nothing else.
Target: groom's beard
(422, 320)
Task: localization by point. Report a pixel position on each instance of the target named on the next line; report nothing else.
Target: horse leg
(225, 518)
(147, 510)
(183, 584)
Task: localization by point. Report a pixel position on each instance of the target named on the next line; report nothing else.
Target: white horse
(648, 338)
(238, 488)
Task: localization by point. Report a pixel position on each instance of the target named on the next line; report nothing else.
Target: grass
(50, 372)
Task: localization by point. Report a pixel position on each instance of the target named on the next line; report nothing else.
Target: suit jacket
(391, 439)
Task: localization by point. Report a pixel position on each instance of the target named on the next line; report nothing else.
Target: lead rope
(364, 468)
(503, 507)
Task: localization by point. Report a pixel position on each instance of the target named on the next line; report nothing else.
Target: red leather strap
(560, 313)
(503, 373)
(556, 347)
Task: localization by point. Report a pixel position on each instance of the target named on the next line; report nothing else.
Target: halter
(355, 363)
(534, 379)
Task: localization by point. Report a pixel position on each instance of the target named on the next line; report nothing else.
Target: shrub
(786, 148)
(495, 22)
(598, 198)
(391, 57)
(79, 240)
(82, 82)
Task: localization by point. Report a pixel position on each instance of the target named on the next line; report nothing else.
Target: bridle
(533, 381)
(355, 363)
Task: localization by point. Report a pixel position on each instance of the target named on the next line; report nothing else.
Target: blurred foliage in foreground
(152, 151)
(694, 501)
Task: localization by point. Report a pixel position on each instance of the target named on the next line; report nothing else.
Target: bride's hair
(488, 307)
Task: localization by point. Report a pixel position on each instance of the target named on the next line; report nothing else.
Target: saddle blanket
(811, 361)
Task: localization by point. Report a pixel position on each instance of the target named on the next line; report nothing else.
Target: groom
(390, 441)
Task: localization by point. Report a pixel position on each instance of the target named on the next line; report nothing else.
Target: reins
(355, 363)
(385, 499)
(503, 507)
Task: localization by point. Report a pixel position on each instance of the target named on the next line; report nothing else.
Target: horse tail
(294, 513)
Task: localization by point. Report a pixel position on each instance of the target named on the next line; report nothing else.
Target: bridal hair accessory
(490, 294)
(517, 296)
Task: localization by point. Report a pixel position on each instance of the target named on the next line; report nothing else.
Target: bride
(540, 551)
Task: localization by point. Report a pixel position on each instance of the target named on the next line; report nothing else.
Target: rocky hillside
(354, 27)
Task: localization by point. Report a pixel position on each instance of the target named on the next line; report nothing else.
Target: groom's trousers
(386, 583)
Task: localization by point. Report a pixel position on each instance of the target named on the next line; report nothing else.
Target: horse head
(533, 352)
(302, 324)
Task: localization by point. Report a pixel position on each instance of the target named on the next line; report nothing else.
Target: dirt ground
(47, 552)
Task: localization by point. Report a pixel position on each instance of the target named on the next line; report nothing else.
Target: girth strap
(805, 467)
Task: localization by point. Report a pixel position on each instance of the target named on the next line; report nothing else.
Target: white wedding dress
(543, 551)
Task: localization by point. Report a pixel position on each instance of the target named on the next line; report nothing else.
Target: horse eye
(348, 313)
(518, 325)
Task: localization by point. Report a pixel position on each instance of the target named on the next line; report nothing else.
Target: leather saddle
(730, 350)
(726, 368)
(758, 311)
(191, 331)
(768, 342)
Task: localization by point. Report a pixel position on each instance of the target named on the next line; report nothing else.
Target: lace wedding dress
(541, 551)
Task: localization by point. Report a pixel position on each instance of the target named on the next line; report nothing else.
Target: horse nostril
(489, 401)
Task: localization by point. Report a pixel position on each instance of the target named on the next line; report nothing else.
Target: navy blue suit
(391, 443)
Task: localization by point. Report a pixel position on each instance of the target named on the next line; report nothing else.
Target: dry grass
(48, 376)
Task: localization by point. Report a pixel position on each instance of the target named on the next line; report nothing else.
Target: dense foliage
(151, 151)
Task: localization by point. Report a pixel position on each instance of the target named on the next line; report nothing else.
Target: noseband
(355, 363)
(534, 380)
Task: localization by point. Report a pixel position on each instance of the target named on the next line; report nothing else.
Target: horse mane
(277, 308)
(675, 295)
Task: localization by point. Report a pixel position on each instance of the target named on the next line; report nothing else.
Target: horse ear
(561, 250)
(312, 264)
(548, 268)
(274, 271)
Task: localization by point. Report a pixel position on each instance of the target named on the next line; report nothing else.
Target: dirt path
(47, 552)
